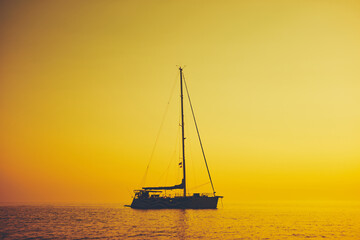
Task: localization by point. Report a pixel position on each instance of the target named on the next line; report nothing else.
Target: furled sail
(179, 186)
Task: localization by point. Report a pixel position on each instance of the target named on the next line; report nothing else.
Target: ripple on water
(232, 222)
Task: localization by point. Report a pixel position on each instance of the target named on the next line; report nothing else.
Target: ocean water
(236, 221)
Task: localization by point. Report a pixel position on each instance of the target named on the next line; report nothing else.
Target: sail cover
(179, 186)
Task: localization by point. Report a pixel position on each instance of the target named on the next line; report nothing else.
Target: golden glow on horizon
(275, 86)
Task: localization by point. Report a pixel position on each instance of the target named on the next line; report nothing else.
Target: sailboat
(155, 198)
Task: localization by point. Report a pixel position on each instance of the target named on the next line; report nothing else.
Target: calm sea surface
(240, 221)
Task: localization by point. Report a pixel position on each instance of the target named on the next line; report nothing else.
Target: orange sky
(84, 85)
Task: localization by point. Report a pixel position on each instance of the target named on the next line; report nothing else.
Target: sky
(86, 85)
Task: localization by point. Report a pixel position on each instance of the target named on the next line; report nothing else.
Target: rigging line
(199, 186)
(198, 133)
(158, 133)
(172, 157)
(190, 154)
(131, 195)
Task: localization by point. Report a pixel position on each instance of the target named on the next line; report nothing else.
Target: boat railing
(206, 194)
(178, 195)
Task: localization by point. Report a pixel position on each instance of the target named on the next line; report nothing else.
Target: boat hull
(176, 203)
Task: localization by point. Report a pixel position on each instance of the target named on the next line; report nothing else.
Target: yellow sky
(84, 85)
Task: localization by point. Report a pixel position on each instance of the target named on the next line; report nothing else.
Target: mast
(182, 130)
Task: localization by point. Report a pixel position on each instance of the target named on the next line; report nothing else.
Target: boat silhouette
(154, 197)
